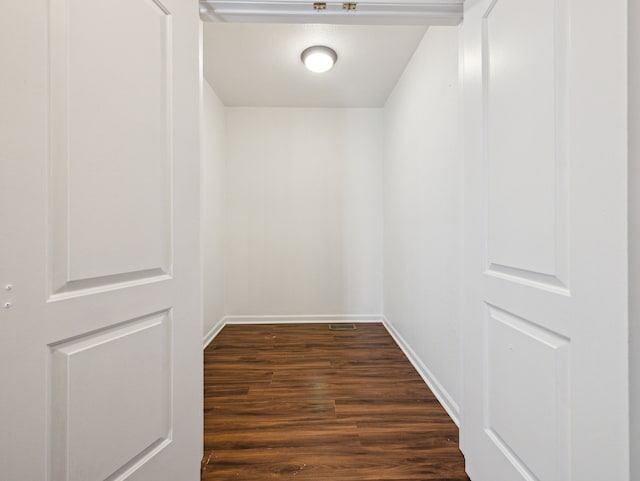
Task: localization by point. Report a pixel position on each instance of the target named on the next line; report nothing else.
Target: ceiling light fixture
(319, 58)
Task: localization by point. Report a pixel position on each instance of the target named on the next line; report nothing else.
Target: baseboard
(445, 399)
(213, 332)
(302, 318)
(286, 319)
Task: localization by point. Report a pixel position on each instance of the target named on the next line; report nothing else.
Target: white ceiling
(259, 65)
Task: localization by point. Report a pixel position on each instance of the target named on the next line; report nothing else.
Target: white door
(100, 334)
(545, 333)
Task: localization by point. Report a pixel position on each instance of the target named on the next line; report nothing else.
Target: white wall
(422, 210)
(304, 211)
(634, 232)
(213, 185)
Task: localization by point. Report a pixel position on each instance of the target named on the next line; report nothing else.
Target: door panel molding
(111, 144)
(117, 381)
(525, 140)
(529, 278)
(524, 361)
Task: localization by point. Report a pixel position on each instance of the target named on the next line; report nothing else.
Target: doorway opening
(322, 192)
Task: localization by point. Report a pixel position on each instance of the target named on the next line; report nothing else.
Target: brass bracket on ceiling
(317, 6)
(349, 6)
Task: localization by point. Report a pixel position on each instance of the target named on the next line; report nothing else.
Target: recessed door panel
(524, 104)
(111, 135)
(111, 398)
(526, 409)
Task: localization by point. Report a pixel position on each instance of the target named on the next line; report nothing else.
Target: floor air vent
(342, 327)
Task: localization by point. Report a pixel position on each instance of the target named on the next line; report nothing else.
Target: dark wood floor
(307, 403)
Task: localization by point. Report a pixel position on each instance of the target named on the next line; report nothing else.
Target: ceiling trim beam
(367, 12)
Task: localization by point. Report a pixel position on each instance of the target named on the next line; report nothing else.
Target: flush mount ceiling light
(319, 58)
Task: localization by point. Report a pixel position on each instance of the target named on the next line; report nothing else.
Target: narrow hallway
(301, 401)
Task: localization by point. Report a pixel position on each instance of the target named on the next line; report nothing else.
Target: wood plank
(300, 401)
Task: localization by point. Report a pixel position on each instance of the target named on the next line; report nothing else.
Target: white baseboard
(302, 318)
(213, 332)
(286, 319)
(445, 399)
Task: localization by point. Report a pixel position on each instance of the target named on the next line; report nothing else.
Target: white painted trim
(460, 300)
(288, 319)
(213, 332)
(445, 399)
(374, 12)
